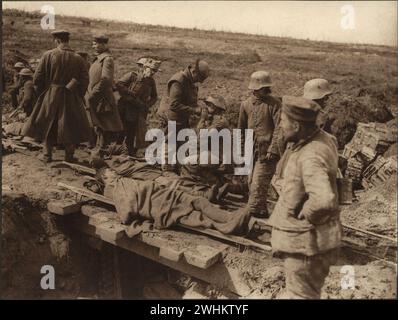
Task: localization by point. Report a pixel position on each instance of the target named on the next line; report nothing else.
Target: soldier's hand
(197, 110)
(204, 113)
(301, 216)
(270, 156)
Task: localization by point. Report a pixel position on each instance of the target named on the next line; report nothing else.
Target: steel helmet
(316, 89)
(260, 79)
(25, 72)
(153, 64)
(19, 65)
(142, 61)
(203, 68)
(217, 101)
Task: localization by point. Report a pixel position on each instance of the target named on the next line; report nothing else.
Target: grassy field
(365, 77)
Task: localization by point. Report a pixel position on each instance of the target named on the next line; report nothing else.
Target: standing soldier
(319, 90)
(100, 98)
(84, 55)
(261, 113)
(306, 228)
(61, 80)
(16, 85)
(181, 100)
(93, 139)
(27, 96)
(137, 95)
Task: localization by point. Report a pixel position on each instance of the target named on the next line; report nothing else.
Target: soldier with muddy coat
(306, 227)
(58, 117)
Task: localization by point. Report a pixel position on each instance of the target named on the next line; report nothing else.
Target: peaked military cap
(300, 109)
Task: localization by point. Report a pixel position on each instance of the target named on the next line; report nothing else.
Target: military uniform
(58, 117)
(306, 228)
(178, 104)
(27, 97)
(138, 94)
(261, 115)
(100, 99)
(14, 90)
(181, 99)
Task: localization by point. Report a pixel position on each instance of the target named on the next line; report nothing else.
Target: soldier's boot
(47, 155)
(69, 153)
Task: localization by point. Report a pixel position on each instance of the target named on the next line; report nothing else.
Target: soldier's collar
(103, 55)
(187, 73)
(299, 144)
(64, 46)
(258, 99)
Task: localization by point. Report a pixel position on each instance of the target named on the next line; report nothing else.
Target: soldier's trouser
(130, 128)
(14, 96)
(103, 138)
(305, 276)
(51, 140)
(259, 184)
(168, 166)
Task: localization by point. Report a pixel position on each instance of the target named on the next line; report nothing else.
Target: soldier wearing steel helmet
(181, 99)
(16, 85)
(27, 96)
(319, 90)
(261, 112)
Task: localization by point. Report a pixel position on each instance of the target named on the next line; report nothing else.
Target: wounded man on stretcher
(138, 202)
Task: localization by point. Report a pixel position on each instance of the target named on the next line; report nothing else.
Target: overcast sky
(373, 22)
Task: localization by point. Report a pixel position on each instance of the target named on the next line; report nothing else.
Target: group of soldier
(75, 103)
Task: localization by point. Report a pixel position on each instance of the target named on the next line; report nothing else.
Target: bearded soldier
(306, 228)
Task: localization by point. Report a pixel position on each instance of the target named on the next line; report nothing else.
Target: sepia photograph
(199, 150)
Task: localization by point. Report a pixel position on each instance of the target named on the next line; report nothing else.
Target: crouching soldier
(16, 85)
(27, 96)
(306, 228)
(261, 113)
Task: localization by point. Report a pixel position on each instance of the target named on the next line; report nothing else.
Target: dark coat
(27, 97)
(137, 95)
(57, 69)
(181, 98)
(100, 98)
(263, 116)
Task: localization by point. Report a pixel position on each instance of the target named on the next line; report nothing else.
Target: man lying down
(137, 201)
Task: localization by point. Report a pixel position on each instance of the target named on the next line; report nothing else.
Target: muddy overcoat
(100, 98)
(61, 80)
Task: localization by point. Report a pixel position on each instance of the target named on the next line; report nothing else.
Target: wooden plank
(171, 254)
(86, 193)
(203, 256)
(63, 207)
(77, 167)
(218, 274)
(230, 238)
